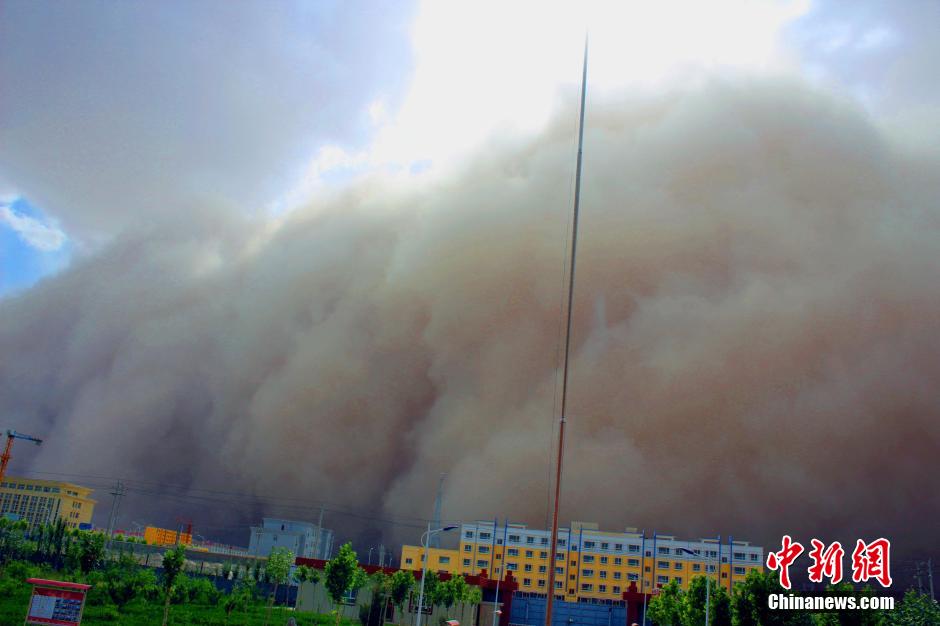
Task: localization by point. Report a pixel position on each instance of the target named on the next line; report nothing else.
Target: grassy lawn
(14, 600)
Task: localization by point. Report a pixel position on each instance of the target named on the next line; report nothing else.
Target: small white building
(298, 537)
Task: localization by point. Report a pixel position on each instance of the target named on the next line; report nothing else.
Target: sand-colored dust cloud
(755, 346)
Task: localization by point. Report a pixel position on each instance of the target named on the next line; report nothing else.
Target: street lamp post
(425, 538)
(708, 584)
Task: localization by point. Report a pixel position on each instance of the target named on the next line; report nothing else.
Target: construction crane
(5, 459)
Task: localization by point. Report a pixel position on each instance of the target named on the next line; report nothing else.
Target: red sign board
(56, 602)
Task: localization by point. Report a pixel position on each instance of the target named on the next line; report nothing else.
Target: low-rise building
(303, 539)
(45, 501)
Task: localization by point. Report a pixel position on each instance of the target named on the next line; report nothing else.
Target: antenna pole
(564, 384)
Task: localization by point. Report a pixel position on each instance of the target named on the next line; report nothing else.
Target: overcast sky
(114, 114)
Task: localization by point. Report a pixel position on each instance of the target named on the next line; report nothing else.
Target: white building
(298, 537)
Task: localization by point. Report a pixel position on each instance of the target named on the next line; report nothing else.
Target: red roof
(57, 583)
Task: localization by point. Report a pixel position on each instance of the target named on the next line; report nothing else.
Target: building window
(512, 567)
(512, 552)
(559, 570)
(588, 587)
(529, 554)
(526, 582)
(544, 541)
(466, 562)
(754, 557)
(696, 567)
(663, 550)
(618, 575)
(662, 564)
(618, 560)
(527, 567)
(483, 563)
(542, 569)
(514, 538)
(483, 550)
(738, 571)
(616, 589)
(602, 573)
(409, 561)
(530, 540)
(679, 552)
(618, 547)
(559, 584)
(633, 547)
(662, 580)
(740, 556)
(543, 555)
(602, 588)
(541, 582)
(605, 546)
(587, 573)
(587, 558)
(588, 545)
(561, 543)
(603, 560)
(677, 565)
(633, 562)
(468, 534)
(678, 579)
(467, 548)
(633, 577)
(443, 560)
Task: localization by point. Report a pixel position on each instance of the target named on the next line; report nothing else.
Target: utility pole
(316, 549)
(438, 507)
(115, 503)
(930, 577)
(550, 597)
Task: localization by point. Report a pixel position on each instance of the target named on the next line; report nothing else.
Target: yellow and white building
(45, 501)
(589, 563)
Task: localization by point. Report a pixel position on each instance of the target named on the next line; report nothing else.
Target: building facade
(45, 501)
(301, 538)
(590, 564)
(155, 536)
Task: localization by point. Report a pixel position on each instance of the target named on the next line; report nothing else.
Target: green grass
(14, 600)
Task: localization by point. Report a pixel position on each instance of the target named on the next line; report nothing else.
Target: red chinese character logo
(872, 561)
(783, 559)
(826, 561)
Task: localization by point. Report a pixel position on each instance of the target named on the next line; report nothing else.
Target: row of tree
(748, 605)
(343, 579)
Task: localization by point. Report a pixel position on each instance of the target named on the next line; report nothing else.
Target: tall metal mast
(564, 384)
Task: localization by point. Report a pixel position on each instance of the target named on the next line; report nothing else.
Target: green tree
(431, 592)
(849, 617)
(278, 568)
(400, 585)
(667, 608)
(749, 602)
(719, 611)
(239, 599)
(12, 539)
(914, 609)
(474, 597)
(125, 580)
(340, 571)
(373, 613)
(86, 551)
(173, 562)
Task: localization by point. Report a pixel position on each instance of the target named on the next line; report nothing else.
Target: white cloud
(43, 237)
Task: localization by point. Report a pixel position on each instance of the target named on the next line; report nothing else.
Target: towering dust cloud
(755, 346)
